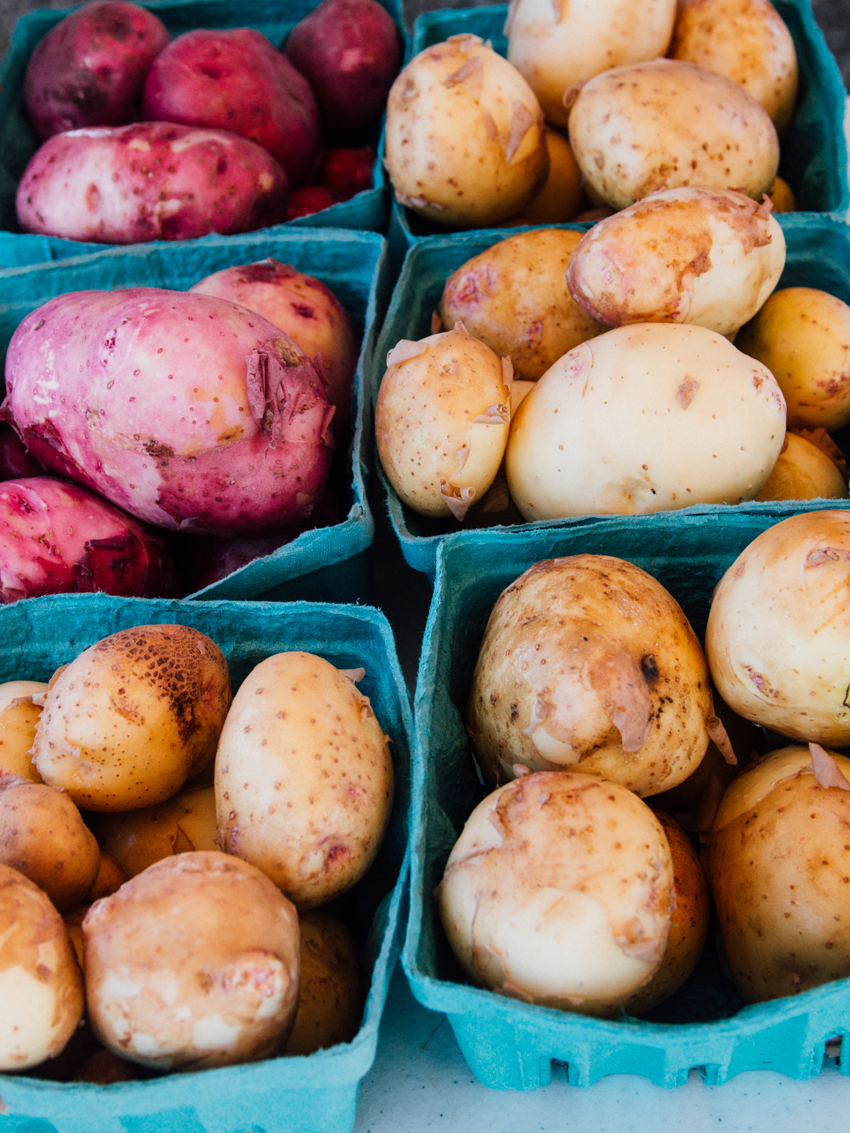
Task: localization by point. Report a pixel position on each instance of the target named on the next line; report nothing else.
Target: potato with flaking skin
(802, 335)
(666, 124)
(41, 988)
(559, 891)
(691, 255)
(441, 421)
(514, 298)
(464, 136)
(132, 717)
(331, 1001)
(43, 836)
(688, 922)
(778, 633)
(193, 964)
(804, 471)
(19, 714)
(589, 664)
(778, 863)
(748, 42)
(303, 777)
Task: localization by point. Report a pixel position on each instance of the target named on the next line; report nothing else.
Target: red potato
(347, 171)
(188, 411)
(149, 181)
(57, 538)
(310, 199)
(237, 80)
(350, 52)
(15, 460)
(90, 69)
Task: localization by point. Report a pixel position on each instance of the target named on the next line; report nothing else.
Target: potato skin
(41, 987)
(149, 181)
(134, 716)
(303, 778)
(588, 663)
(666, 124)
(513, 297)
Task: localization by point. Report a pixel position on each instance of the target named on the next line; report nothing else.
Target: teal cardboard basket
(322, 563)
(818, 255)
(316, 1093)
(512, 1045)
(813, 152)
(274, 18)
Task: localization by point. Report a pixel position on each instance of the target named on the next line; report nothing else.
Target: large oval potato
(648, 417)
(665, 124)
(149, 181)
(303, 778)
(689, 255)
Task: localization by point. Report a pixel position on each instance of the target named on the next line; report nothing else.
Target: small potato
(748, 42)
(561, 198)
(303, 778)
(559, 891)
(330, 1004)
(704, 256)
(43, 836)
(666, 124)
(464, 136)
(192, 964)
(803, 471)
(648, 417)
(802, 335)
(19, 716)
(514, 298)
(134, 716)
(41, 988)
(441, 421)
(781, 195)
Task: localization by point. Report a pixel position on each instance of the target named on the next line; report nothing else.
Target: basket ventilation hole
(832, 1048)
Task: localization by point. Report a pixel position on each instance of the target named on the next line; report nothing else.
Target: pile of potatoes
(620, 800)
(152, 919)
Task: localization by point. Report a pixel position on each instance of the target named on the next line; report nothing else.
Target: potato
(514, 298)
(666, 124)
(781, 195)
(778, 864)
(441, 421)
(803, 471)
(559, 891)
(464, 136)
(149, 181)
(558, 43)
(778, 633)
(192, 964)
(589, 664)
(18, 719)
(802, 335)
(748, 42)
(561, 198)
(704, 256)
(43, 836)
(303, 778)
(649, 417)
(41, 988)
(134, 716)
(330, 1004)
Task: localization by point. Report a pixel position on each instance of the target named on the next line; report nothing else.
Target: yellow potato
(561, 198)
(803, 471)
(330, 1003)
(18, 719)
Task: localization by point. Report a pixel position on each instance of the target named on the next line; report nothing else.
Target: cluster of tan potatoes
(591, 693)
(178, 915)
(649, 364)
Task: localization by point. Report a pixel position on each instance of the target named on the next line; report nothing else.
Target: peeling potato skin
(780, 878)
(134, 716)
(690, 255)
(566, 632)
(513, 297)
(303, 779)
(667, 124)
(778, 633)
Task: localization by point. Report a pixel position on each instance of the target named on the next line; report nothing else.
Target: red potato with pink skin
(187, 411)
(90, 69)
(58, 538)
(149, 181)
(237, 80)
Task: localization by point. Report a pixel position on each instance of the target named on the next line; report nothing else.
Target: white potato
(649, 417)
(666, 124)
(690, 255)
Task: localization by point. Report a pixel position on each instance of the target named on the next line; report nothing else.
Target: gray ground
(832, 15)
